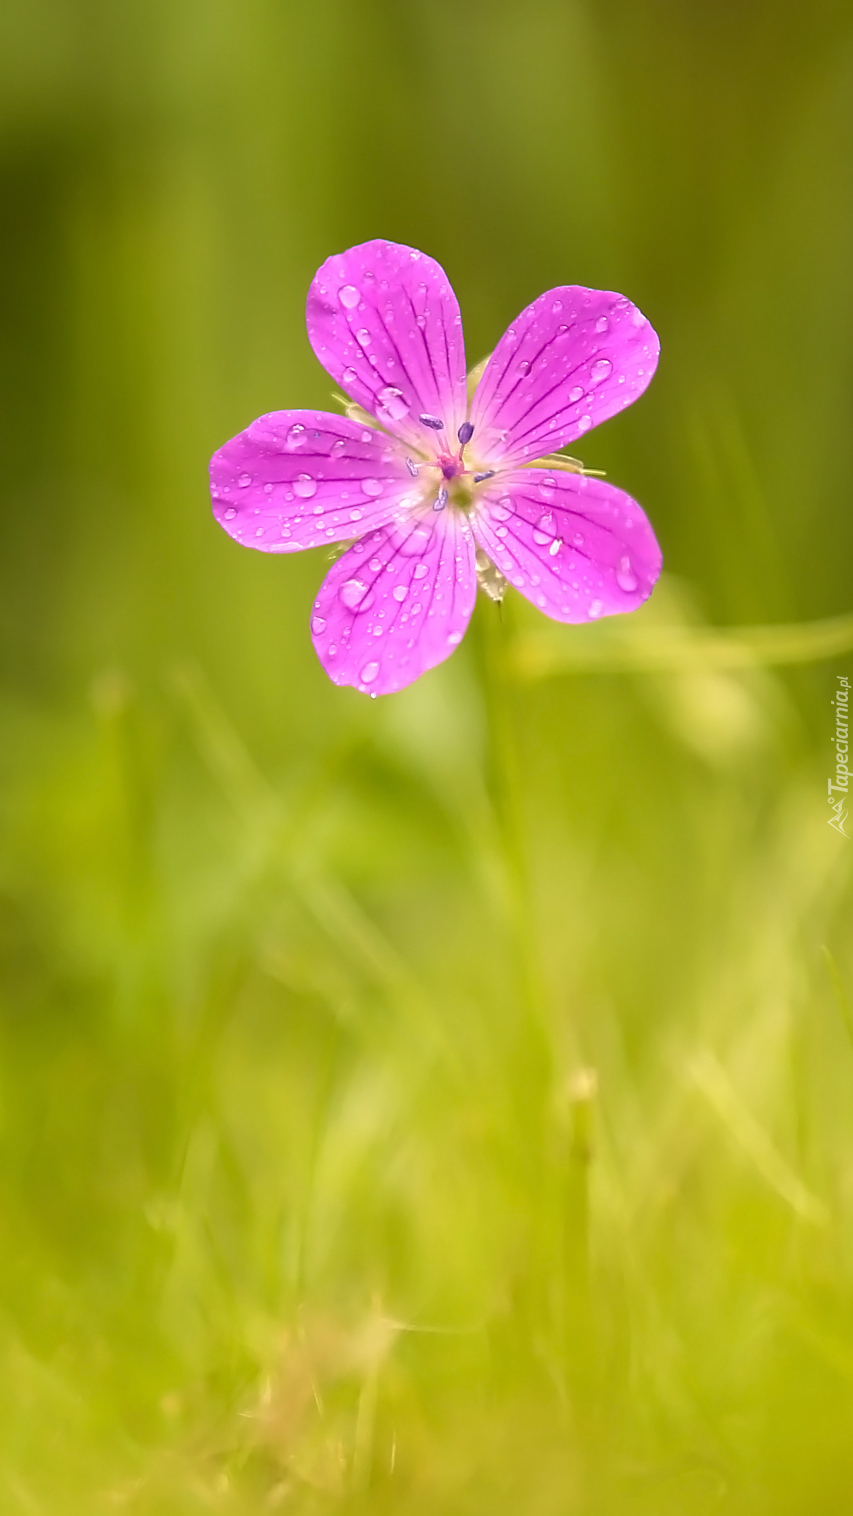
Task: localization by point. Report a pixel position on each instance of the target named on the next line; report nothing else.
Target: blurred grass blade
(711, 1078)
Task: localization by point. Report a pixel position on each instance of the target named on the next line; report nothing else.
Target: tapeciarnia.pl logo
(839, 789)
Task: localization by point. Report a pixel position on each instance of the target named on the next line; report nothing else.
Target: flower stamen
(435, 422)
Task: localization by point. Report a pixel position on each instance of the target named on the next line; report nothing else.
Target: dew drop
(584, 423)
(595, 609)
(375, 565)
(393, 402)
(244, 480)
(420, 570)
(371, 487)
(349, 376)
(501, 513)
(267, 489)
(544, 529)
(454, 638)
(625, 576)
(557, 306)
(349, 296)
(524, 367)
(369, 672)
(304, 486)
(602, 324)
(575, 394)
(296, 435)
(600, 370)
(363, 337)
(400, 591)
(353, 593)
(318, 624)
(355, 515)
(230, 513)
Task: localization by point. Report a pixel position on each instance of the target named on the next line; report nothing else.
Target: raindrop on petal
(353, 593)
(595, 609)
(600, 370)
(244, 480)
(369, 672)
(230, 513)
(318, 624)
(349, 296)
(304, 486)
(625, 576)
(544, 529)
(575, 394)
(393, 402)
(584, 423)
(371, 487)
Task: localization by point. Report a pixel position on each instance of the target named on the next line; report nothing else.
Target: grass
(452, 1125)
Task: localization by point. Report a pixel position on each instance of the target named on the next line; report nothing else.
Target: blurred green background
(442, 1103)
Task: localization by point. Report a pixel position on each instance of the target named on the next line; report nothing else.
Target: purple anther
(465, 432)
(434, 421)
(440, 499)
(412, 467)
(490, 474)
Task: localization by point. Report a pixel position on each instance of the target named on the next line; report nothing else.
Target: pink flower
(432, 485)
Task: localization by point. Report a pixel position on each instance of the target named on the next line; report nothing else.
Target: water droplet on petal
(595, 609)
(600, 370)
(296, 435)
(369, 672)
(584, 423)
(353, 593)
(557, 306)
(349, 296)
(244, 480)
(577, 540)
(363, 337)
(524, 367)
(349, 376)
(393, 402)
(355, 515)
(625, 576)
(544, 529)
(454, 638)
(371, 487)
(602, 324)
(304, 486)
(575, 394)
(420, 570)
(267, 489)
(400, 591)
(318, 624)
(230, 513)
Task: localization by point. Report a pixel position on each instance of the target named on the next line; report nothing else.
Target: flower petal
(576, 547)
(572, 359)
(384, 322)
(397, 603)
(298, 479)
